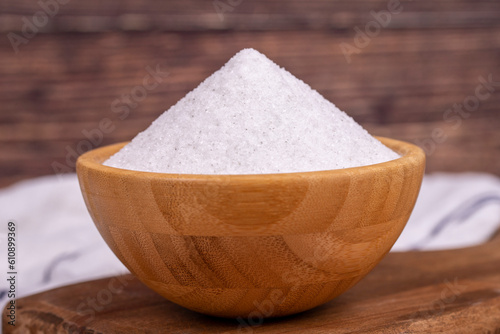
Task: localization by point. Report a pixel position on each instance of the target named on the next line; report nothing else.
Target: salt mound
(251, 117)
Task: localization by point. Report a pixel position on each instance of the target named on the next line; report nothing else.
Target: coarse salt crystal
(251, 117)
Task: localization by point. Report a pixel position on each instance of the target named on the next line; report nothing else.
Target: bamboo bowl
(252, 245)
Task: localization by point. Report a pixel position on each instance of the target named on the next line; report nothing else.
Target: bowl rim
(93, 160)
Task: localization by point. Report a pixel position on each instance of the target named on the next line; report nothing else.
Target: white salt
(251, 117)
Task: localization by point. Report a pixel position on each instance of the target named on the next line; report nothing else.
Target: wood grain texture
(453, 291)
(399, 87)
(222, 244)
(197, 15)
(430, 57)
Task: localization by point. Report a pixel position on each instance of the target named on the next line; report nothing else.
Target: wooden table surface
(454, 291)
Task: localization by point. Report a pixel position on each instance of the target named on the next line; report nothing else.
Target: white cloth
(58, 244)
(453, 211)
(56, 241)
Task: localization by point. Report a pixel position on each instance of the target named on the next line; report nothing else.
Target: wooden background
(66, 77)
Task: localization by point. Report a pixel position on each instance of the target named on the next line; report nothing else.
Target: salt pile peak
(251, 117)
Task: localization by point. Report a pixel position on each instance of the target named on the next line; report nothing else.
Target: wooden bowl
(252, 245)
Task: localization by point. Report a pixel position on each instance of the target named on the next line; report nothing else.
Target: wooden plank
(399, 86)
(197, 15)
(413, 292)
(383, 108)
(396, 86)
(474, 146)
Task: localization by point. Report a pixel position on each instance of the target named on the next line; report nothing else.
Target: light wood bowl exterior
(252, 245)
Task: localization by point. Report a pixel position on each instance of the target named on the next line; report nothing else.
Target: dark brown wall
(66, 77)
